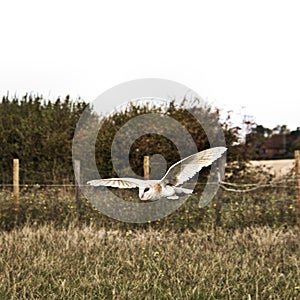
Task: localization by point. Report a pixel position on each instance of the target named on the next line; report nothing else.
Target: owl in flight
(169, 185)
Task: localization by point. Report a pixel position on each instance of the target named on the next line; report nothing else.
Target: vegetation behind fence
(40, 134)
(269, 205)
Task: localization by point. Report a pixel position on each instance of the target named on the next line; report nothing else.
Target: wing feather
(122, 183)
(185, 169)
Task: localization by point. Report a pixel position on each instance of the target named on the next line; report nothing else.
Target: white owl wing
(122, 183)
(185, 169)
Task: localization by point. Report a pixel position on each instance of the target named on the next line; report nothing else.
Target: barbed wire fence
(292, 181)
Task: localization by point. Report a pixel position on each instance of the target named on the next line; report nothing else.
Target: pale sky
(242, 56)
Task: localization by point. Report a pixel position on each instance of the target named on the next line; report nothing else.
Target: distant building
(278, 146)
(275, 146)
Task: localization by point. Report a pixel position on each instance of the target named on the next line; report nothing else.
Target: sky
(241, 56)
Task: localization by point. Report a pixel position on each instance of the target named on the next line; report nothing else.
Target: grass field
(94, 263)
(246, 248)
(272, 206)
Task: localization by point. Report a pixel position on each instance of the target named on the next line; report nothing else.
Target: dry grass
(90, 263)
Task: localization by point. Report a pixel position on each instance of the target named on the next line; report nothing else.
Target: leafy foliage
(149, 143)
(39, 133)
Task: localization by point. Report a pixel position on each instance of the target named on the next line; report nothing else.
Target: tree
(40, 134)
(255, 139)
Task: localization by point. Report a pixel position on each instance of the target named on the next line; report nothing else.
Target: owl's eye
(146, 190)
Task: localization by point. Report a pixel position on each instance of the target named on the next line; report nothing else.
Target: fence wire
(228, 186)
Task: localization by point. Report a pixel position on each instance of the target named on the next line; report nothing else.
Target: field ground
(86, 262)
(240, 246)
(278, 167)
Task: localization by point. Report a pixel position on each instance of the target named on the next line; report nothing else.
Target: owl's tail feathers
(180, 190)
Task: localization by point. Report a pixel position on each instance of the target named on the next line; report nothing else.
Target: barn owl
(169, 185)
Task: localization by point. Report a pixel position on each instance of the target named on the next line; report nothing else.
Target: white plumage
(169, 185)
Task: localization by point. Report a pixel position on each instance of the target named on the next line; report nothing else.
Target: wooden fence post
(16, 182)
(146, 167)
(297, 173)
(77, 183)
(219, 203)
